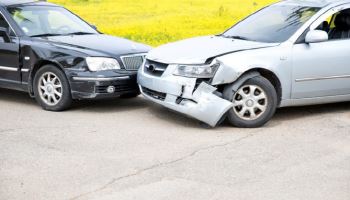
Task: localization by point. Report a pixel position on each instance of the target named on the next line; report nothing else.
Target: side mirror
(315, 36)
(4, 33)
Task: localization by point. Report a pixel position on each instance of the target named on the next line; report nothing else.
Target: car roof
(23, 2)
(315, 3)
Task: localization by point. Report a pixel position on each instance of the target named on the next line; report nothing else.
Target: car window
(4, 24)
(330, 21)
(58, 19)
(274, 24)
(50, 20)
(29, 23)
(337, 25)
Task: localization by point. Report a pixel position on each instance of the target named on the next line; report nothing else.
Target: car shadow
(98, 106)
(110, 105)
(16, 97)
(164, 114)
(282, 114)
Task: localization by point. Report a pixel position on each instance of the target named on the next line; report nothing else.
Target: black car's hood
(98, 44)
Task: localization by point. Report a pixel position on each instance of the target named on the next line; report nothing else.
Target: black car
(56, 56)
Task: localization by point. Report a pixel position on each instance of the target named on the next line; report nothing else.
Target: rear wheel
(254, 103)
(51, 89)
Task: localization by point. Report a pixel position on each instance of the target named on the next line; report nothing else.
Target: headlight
(197, 71)
(101, 63)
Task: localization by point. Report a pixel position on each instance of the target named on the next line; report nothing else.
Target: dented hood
(198, 50)
(98, 43)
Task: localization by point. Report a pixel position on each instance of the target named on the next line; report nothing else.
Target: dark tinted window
(3, 23)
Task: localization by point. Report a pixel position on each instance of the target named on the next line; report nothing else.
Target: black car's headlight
(102, 63)
(197, 71)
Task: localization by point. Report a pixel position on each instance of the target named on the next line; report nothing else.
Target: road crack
(6, 130)
(162, 164)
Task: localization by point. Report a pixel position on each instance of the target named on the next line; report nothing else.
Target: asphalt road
(133, 149)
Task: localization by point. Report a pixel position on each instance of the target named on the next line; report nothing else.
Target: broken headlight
(197, 71)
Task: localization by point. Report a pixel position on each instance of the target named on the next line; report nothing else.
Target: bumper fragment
(181, 94)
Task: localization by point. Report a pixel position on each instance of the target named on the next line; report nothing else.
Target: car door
(9, 55)
(322, 69)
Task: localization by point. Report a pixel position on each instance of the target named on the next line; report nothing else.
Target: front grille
(157, 95)
(133, 62)
(155, 68)
(118, 88)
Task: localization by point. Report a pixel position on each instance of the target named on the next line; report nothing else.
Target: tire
(57, 87)
(255, 102)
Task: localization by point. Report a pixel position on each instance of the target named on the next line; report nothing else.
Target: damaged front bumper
(184, 95)
(101, 85)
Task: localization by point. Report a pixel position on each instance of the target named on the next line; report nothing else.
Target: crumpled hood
(101, 44)
(198, 50)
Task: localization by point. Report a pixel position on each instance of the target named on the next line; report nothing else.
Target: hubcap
(250, 102)
(50, 88)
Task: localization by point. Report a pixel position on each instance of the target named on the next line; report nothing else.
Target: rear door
(9, 55)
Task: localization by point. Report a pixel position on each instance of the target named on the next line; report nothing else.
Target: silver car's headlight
(197, 71)
(102, 63)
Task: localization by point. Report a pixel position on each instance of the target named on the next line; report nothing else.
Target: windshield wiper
(237, 37)
(46, 35)
(56, 34)
(80, 33)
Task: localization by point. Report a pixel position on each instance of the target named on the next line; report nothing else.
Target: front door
(9, 56)
(323, 69)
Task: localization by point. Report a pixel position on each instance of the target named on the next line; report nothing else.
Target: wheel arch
(270, 76)
(35, 69)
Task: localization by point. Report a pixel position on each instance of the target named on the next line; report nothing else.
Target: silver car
(290, 53)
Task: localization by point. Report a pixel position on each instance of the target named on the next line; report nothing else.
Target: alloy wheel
(250, 102)
(50, 88)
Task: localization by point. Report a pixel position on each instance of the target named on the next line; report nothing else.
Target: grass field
(161, 21)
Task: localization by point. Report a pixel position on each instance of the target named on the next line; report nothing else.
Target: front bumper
(94, 85)
(183, 95)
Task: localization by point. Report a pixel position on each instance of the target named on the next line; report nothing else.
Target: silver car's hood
(198, 50)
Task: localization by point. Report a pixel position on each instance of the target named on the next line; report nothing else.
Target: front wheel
(254, 103)
(51, 89)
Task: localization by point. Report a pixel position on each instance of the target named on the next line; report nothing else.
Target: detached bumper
(181, 94)
(91, 86)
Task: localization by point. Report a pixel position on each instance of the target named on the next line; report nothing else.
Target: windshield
(49, 21)
(273, 24)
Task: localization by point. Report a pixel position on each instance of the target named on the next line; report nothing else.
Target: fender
(231, 89)
(35, 67)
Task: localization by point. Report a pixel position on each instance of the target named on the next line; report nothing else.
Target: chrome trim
(321, 78)
(24, 70)
(12, 69)
(130, 56)
(101, 78)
